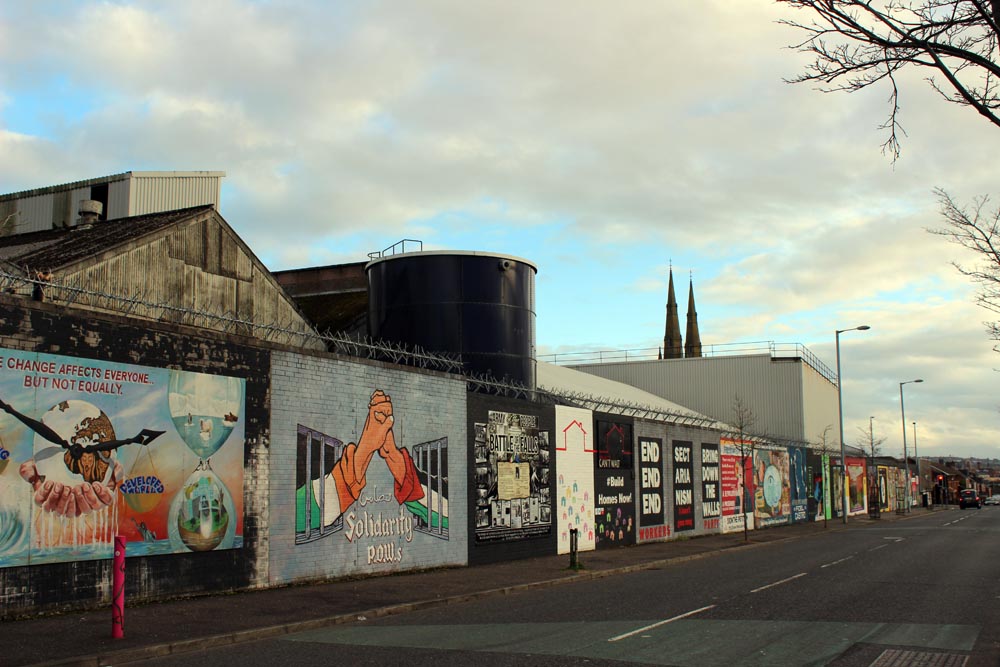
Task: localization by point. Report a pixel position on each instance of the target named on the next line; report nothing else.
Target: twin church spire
(673, 348)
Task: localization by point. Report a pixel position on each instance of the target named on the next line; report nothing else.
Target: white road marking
(894, 539)
(881, 546)
(778, 583)
(837, 561)
(656, 625)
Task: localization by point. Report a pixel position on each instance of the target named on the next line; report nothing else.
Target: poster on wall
(614, 483)
(338, 493)
(797, 483)
(683, 486)
(882, 488)
(711, 495)
(512, 478)
(836, 488)
(856, 485)
(575, 452)
(736, 465)
(772, 489)
(93, 449)
(652, 521)
(815, 500)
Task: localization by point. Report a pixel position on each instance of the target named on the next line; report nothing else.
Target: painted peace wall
(614, 482)
(799, 487)
(772, 488)
(818, 479)
(365, 463)
(736, 485)
(575, 449)
(511, 457)
(94, 449)
(857, 502)
(653, 501)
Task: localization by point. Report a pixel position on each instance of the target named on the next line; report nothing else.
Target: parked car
(992, 500)
(969, 498)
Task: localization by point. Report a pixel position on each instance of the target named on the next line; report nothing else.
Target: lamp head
(863, 327)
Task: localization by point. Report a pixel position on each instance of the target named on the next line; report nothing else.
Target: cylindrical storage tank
(478, 305)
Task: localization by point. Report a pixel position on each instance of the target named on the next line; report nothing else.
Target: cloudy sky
(601, 141)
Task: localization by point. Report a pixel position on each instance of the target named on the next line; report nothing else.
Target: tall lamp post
(906, 458)
(840, 412)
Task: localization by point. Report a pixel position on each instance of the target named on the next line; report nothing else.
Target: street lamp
(840, 412)
(906, 459)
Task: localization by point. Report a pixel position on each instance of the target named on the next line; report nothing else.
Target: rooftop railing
(775, 350)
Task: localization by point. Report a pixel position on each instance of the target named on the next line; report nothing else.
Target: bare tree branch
(857, 44)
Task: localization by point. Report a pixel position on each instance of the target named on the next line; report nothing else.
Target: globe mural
(79, 423)
(204, 409)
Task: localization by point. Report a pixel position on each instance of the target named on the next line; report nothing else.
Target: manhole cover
(898, 658)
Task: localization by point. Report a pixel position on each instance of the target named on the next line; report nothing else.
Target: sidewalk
(177, 626)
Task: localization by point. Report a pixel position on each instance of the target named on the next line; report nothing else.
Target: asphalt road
(918, 592)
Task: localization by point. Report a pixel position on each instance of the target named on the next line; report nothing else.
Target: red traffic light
(940, 477)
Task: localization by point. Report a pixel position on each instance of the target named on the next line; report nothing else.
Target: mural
(836, 488)
(772, 489)
(334, 497)
(512, 478)
(882, 488)
(575, 463)
(817, 475)
(711, 503)
(683, 486)
(797, 483)
(175, 486)
(614, 482)
(736, 496)
(856, 485)
(651, 517)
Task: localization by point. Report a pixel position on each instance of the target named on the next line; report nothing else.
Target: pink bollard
(118, 589)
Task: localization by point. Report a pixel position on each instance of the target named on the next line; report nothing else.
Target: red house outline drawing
(565, 443)
(621, 434)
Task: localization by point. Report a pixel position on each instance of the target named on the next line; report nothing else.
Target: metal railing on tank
(397, 248)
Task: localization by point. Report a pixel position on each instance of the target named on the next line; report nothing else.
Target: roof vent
(90, 212)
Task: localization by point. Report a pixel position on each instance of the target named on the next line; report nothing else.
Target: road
(921, 591)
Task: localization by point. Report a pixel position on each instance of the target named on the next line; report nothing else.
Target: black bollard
(573, 533)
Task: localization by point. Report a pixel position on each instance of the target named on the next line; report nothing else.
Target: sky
(603, 142)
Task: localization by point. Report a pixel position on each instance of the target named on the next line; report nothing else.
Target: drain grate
(897, 658)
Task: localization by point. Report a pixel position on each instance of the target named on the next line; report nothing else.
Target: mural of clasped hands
(376, 436)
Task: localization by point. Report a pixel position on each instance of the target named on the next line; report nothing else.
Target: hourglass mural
(90, 450)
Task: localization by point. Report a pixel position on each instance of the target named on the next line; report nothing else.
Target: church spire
(693, 346)
(672, 347)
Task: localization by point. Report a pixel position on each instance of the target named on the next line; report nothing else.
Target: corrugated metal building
(122, 195)
(792, 398)
(183, 266)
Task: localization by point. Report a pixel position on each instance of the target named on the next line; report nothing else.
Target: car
(969, 498)
(992, 500)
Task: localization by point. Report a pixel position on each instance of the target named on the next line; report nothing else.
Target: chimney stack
(90, 212)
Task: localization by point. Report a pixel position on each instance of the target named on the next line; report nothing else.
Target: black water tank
(478, 305)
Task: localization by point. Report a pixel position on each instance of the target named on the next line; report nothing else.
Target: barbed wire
(286, 331)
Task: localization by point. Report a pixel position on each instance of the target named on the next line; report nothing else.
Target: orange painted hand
(68, 500)
(377, 425)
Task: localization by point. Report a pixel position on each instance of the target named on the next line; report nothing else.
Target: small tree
(744, 421)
